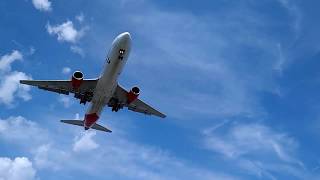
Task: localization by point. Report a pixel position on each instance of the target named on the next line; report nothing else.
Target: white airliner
(103, 91)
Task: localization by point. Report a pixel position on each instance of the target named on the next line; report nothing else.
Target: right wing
(62, 86)
(137, 105)
(141, 107)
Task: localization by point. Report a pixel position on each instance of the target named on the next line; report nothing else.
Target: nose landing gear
(121, 53)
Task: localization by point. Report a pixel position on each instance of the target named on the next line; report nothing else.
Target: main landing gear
(115, 108)
(84, 98)
(115, 105)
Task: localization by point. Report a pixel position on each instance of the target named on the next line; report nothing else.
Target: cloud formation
(119, 157)
(85, 142)
(17, 129)
(65, 100)
(19, 168)
(248, 145)
(65, 32)
(66, 70)
(8, 59)
(10, 88)
(77, 50)
(42, 5)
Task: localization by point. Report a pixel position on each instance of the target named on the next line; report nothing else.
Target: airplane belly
(107, 83)
(105, 88)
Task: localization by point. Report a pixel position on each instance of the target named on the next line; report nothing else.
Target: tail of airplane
(80, 123)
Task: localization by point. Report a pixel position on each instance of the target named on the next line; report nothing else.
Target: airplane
(102, 91)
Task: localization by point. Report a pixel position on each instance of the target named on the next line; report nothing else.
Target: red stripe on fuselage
(90, 119)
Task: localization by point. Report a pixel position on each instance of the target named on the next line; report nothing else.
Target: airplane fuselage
(102, 91)
(107, 83)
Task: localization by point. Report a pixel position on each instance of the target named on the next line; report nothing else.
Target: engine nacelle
(76, 80)
(133, 94)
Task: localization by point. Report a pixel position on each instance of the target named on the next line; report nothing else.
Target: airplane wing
(62, 86)
(137, 105)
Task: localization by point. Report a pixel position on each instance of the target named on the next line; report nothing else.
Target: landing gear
(115, 105)
(115, 109)
(121, 53)
(83, 101)
(84, 98)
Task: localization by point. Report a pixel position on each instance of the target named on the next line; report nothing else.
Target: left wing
(62, 86)
(137, 105)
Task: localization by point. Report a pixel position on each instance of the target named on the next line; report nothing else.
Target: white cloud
(278, 66)
(77, 116)
(255, 148)
(118, 156)
(32, 50)
(77, 50)
(249, 138)
(66, 70)
(80, 18)
(47, 156)
(41, 158)
(8, 59)
(10, 88)
(295, 12)
(20, 131)
(127, 159)
(18, 169)
(65, 100)
(65, 32)
(42, 5)
(85, 142)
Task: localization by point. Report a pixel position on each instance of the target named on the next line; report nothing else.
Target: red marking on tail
(90, 119)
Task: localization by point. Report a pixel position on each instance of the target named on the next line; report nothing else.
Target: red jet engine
(76, 80)
(133, 94)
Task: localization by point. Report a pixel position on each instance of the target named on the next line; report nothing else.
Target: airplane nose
(124, 38)
(126, 35)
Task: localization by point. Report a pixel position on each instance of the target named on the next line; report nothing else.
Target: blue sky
(238, 80)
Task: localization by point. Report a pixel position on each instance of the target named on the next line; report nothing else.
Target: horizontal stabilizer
(100, 128)
(80, 123)
(73, 122)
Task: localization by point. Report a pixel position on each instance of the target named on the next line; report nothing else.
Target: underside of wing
(141, 107)
(137, 105)
(61, 86)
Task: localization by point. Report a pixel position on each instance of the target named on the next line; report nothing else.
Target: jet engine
(76, 80)
(133, 94)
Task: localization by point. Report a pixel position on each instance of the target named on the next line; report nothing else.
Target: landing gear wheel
(83, 102)
(115, 108)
